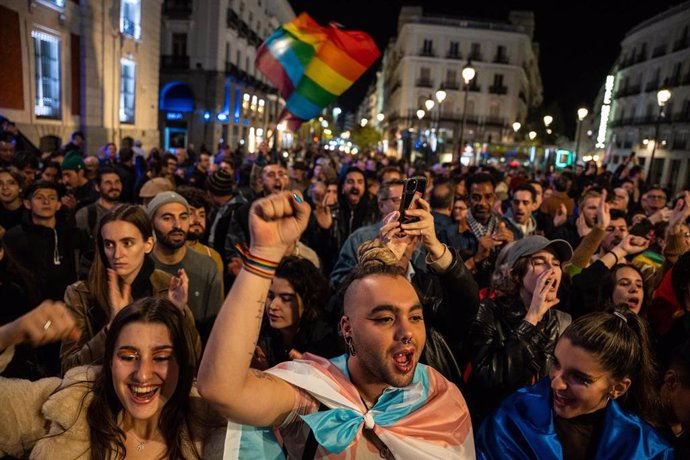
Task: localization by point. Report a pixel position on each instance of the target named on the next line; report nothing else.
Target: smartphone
(413, 186)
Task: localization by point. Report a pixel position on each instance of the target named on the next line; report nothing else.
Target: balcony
(177, 9)
(175, 62)
(456, 56)
(651, 86)
(424, 83)
(686, 79)
(494, 121)
(681, 44)
(233, 20)
(474, 88)
(427, 53)
(659, 51)
(452, 85)
(495, 89)
(476, 56)
(501, 59)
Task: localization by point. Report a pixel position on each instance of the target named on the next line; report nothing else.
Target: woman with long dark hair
(294, 322)
(122, 271)
(138, 405)
(599, 401)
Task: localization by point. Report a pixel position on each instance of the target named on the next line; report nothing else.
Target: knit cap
(221, 183)
(73, 161)
(162, 199)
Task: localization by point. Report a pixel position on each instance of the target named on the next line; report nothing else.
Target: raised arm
(225, 379)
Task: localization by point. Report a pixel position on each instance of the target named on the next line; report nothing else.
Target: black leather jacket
(507, 352)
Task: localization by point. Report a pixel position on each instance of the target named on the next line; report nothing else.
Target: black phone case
(410, 188)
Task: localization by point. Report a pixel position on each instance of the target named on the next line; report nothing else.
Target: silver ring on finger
(46, 325)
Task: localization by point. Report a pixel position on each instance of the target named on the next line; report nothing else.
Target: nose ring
(406, 340)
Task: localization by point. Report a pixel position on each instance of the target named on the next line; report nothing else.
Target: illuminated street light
(662, 97)
(516, 126)
(548, 119)
(363, 122)
(532, 135)
(380, 117)
(429, 104)
(441, 95)
(582, 113)
(468, 74)
(420, 113)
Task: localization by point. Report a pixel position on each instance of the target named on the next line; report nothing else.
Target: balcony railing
(474, 88)
(659, 51)
(232, 19)
(501, 59)
(175, 62)
(424, 83)
(498, 89)
(425, 52)
(476, 56)
(651, 86)
(457, 56)
(452, 85)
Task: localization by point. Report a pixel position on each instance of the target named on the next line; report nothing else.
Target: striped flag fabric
(312, 65)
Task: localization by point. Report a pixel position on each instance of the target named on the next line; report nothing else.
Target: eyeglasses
(394, 199)
(656, 197)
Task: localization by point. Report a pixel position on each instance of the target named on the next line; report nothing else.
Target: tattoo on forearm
(262, 375)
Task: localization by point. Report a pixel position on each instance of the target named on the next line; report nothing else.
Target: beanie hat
(165, 198)
(73, 161)
(221, 183)
(154, 186)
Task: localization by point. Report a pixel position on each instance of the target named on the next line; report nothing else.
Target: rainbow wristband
(261, 267)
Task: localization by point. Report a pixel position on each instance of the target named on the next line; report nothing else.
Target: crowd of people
(191, 304)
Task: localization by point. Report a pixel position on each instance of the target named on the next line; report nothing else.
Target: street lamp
(468, 74)
(548, 119)
(582, 113)
(516, 126)
(662, 97)
(532, 135)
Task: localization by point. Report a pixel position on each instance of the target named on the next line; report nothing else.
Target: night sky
(578, 41)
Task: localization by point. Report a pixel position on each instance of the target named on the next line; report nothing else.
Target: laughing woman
(599, 400)
(122, 271)
(139, 404)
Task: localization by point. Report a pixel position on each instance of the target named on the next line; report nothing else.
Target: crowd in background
(515, 267)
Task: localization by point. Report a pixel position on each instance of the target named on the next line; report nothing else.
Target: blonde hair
(372, 252)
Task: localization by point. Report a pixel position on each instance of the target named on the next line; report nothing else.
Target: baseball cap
(532, 244)
(73, 161)
(154, 186)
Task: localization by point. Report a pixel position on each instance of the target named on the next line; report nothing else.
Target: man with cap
(225, 201)
(153, 187)
(80, 191)
(299, 179)
(170, 215)
(512, 339)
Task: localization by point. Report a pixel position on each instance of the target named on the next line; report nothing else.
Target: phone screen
(413, 186)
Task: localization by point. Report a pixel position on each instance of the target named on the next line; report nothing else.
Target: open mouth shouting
(560, 401)
(403, 360)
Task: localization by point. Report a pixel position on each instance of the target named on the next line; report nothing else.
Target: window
(454, 50)
(428, 49)
(130, 18)
(498, 80)
(58, 3)
(179, 44)
(476, 52)
(128, 71)
(47, 63)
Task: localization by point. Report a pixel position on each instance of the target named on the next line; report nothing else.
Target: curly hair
(309, 284)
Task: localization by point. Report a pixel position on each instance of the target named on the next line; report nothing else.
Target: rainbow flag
(312, 65)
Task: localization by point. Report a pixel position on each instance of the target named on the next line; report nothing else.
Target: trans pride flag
(312, 65)
(426, 420)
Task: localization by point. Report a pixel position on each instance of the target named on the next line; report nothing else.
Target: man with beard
(377, 400)
(169, 213)
(199, 208)
(80, 190)
(519, 215)
(355, 209)
(109, 188)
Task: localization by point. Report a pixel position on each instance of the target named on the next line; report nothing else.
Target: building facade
(654, 55)
(210, 90)
(89, 66)
(429, 53)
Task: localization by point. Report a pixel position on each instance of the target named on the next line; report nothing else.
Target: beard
(194, 233)
(170, 240)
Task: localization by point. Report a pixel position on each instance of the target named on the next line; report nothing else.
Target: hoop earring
(350, 346)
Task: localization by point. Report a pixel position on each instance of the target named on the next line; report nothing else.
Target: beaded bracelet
(261, 267)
